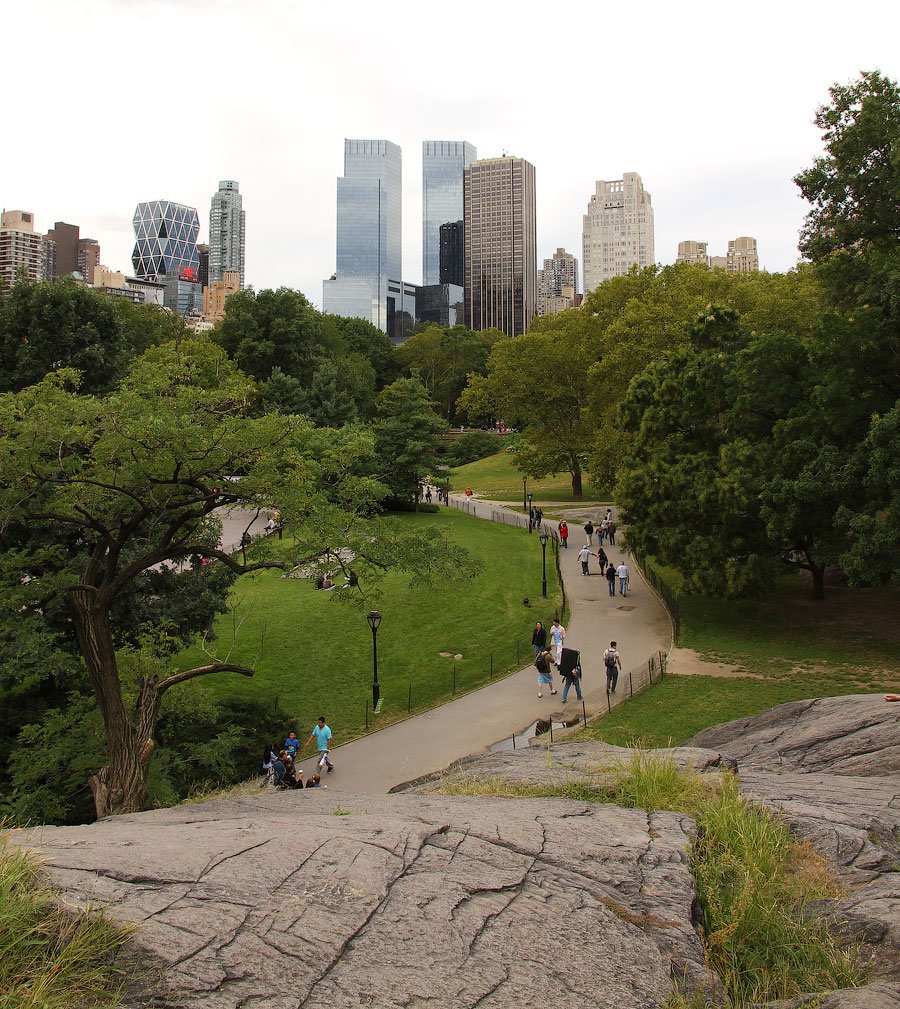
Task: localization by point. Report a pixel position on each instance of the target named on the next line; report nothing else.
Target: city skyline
(718, 159)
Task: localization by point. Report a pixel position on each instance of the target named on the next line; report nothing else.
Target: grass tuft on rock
(50, 957)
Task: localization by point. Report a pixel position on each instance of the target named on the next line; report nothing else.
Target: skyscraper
(369, 220)
(690, 251)
(227, 227)
(88, 258)
(443, 162)
(165, 239)
(618, 230)
(500, 242)
(65, 238)
(742, 255)
(22, 249)
(557, 283)
(452, 254)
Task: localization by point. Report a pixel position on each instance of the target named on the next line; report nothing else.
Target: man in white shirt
(584, 556)
(622, 572)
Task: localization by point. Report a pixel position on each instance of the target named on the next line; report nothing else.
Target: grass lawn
(314, 654)
(793, 646)
(496, 479)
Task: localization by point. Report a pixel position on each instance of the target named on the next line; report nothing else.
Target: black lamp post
(374, 618)
(544, 537)
(524, 495)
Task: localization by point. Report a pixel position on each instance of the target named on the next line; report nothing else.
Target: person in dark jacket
(539, 638)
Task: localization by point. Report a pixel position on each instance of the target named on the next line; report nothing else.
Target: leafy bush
(471, 447)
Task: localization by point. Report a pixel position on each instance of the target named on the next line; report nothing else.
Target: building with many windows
(23, 252)
(183, 293)
(500, 244)
(227, 232)
(165, 239)
(369, 242)
(443, 162)
(216, 294)
(557, 283)
(440, 304)
(742, 256)
(452, 255)
(618, 230)
(692, 252)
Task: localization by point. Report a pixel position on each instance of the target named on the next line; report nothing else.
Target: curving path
(470, 724)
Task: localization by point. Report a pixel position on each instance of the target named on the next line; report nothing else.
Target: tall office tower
(165, 239)
(203, 255)
(88, 258)
(443, 162)
(501, 246)
(742, 256)
(692, 252)
(560, 274)
(65, 238)
(227, 226)
(22, 249)
(369, 220)
(618, 230)
(452, 255)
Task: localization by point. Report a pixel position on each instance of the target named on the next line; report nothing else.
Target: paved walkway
(472, 723)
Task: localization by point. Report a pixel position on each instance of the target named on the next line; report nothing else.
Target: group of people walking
(281, 765)
(568, 661)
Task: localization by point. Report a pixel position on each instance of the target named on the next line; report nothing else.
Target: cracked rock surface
(302, 899)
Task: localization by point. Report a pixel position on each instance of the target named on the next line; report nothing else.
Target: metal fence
(664, 591)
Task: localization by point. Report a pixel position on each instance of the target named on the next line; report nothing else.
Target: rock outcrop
(307, 898)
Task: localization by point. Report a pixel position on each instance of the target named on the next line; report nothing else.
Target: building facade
(500, 244)
(742, 256)
(452, 254)
(692, 252)
(557, 283)
(227, 232)
(23, 252)
(165, 239)
(217, 292)
(183, 293)
(65, 240)
(440, 304)
(617, 230)
(443, 163)
(369, 222)
(88, 258)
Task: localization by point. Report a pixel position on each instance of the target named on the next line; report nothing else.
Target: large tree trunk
(121, 786)
(818, 580)
(576, 479)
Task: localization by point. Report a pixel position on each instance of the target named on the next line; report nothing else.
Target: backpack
(610, 659)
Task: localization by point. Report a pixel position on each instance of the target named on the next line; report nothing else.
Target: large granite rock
(858, 735)
(307, 898)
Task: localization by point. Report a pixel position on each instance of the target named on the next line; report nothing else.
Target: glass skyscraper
(227, 226)
(165, 239)
(369, 220)
(443, 162)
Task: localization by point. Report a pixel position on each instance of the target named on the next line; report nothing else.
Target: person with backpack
(613, 667)
(545, 675)
(570, 672)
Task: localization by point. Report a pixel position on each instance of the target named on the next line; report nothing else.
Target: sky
(119, 101)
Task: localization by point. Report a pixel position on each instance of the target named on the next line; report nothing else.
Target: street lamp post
(544, 538)
(374, 618)
(524, 494)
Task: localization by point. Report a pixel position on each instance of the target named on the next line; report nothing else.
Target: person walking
(611, 578)
(322, 735)
(623, 572)
(611, 533)
(589, 531)
(613, 666)
(545, 675)
(539, 638)
(570, 672)
(603, 560)
(602, 531)
(584, 555)
(564, 534)
(557, 637)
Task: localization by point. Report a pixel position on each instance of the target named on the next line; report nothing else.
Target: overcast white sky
(110, 102)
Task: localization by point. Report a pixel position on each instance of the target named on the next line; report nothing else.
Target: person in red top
(564, 534)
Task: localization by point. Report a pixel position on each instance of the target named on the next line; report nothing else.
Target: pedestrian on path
(602, 531)
(557, 637)
(611, 578)
(539, 638)
(570, 671)
(584, 556)
(623, 572)
(589, 531)
(545, 676)
(613, 666)
(564, 534)
(611, 533)
(322, 735)
(603, 559)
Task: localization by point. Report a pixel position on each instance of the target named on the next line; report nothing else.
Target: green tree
(407, 433)
(60, 324)
(359, 337)
(540, 383)
(137, 476)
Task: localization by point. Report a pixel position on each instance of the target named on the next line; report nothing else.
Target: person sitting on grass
(272, 765)
(315, 781)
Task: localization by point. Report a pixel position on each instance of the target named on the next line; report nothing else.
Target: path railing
(663, 590)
